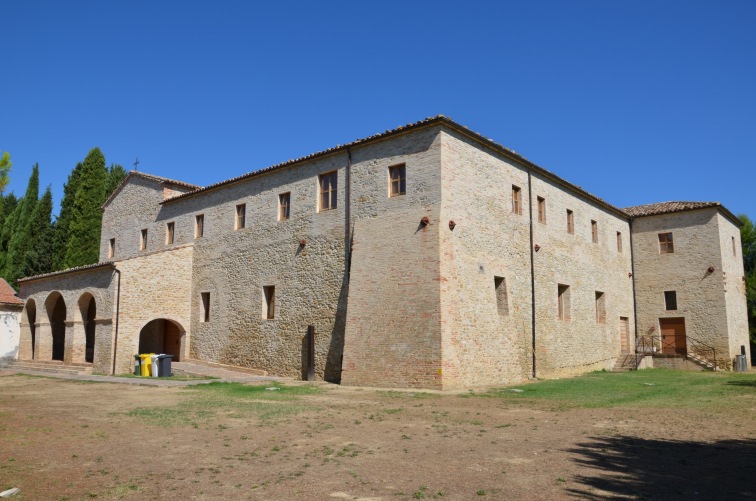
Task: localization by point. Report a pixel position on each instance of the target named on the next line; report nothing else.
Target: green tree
(38, 258)
(5, 166)
(748, 241)
(116, 174)
(63, 222)
(83, 244)
(18, 228)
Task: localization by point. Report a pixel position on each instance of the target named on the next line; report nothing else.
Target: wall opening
(56, 312)
(88, 309)
(502, 300)
(163, 336)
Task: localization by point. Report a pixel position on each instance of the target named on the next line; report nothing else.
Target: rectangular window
(516, 200)
(570, 222)
(619, 242)
(205, 307)
(502, 300)
(670, 300)
(241, 217)
(666, 245)
(284, 201)
(327, 184)
(111, 248)
(541, 210)
(734, 251)
(269, 301)
(199, 225)
(563, 301)
(397, 180)
(169, 230)
(143, 240)
(600, 307)
(594, 231)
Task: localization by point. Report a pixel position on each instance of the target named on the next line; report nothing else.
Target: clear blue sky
(637, 102)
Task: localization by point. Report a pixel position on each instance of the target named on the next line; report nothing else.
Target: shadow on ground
(637, 468)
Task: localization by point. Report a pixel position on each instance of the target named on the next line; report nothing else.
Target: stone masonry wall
(700, 295)
(233, 266)
(393, 336)
(75, 288)
(154, 286)
(733, 281)
(133, 208)
(480, 345)
(580, 343)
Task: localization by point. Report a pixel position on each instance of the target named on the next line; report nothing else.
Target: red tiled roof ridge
(7, 294)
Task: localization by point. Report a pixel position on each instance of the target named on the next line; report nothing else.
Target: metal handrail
(651, 345)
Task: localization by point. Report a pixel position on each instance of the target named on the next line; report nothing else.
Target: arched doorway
(56, 311)
(27, 344)
(88, 309)
(162, 336)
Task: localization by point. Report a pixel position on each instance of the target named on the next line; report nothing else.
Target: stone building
(426, 256)
(10, 314)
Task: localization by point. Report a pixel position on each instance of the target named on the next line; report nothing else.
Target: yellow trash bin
(146, 364)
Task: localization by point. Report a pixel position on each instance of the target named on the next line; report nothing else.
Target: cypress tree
(21, 232)
(83, 245)
(9, 207)
(38, 258)
(116, 174)
(63, 221)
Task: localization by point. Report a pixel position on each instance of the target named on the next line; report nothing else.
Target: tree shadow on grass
(743, 382)
(637, 468)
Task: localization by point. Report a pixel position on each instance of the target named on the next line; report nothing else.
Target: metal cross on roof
(136, 164)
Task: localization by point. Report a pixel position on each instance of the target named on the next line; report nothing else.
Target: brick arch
(55, 308)
(26, 346)
(87, 313)
(163, 335)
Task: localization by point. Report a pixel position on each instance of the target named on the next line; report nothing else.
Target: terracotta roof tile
(7, 294)
(678, 206)
(69, 270)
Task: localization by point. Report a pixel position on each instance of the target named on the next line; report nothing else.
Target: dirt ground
(73, 440)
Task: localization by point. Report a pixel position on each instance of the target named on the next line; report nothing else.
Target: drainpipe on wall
(348, 215)
(117, 313)
(532, 272)
(632, 270)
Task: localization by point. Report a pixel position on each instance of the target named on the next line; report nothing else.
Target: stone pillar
(25, 342)
(70, 348)
(77, 340)
(102, 363)
(43, 350)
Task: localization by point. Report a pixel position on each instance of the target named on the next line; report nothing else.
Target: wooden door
(624, 340)
(172, 340)
(673, 336)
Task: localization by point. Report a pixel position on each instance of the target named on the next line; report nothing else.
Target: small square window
(570, 222)
(502, 299)
(594, 231)
(541, 210)
(670, 300)
(327, 183)
(169, 231)
(269, 302)
(199, 225)
(516, 200)
(204, 306)
(241, 217)
(563, 301)
(600, 307)
(397, 180)
(284, 201)
(111, 248)
(666, 245)
(619, 242)
(143, 240)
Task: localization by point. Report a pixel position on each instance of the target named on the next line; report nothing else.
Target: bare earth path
(63, 439)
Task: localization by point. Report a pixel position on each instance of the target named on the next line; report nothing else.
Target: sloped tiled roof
(151, 177)
(86, 267)
(670, 207)
(7, 294)
(438, 119)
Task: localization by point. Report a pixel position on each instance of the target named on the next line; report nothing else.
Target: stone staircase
(52, 366)
(625, 362)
